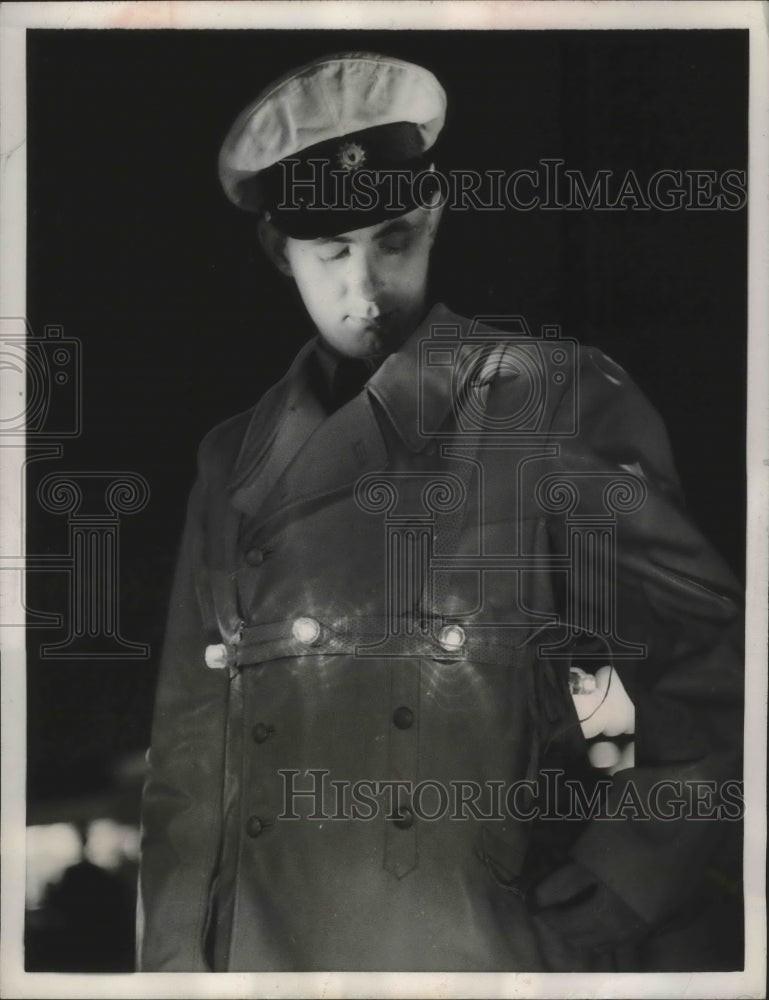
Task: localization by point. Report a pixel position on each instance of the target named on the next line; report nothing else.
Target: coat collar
(291, 394)
(415, 386)
(414, 389)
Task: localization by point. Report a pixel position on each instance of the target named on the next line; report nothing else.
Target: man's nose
(364, 287)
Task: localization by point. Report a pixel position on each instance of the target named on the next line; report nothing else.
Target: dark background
(134, 250)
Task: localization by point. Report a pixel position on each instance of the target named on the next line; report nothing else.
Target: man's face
(365, 290)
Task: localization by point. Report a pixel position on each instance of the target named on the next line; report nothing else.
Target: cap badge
(350, 156)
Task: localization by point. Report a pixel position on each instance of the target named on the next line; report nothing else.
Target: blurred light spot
(109, 844)
(50, 851)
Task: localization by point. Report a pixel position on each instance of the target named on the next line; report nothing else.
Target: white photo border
(15, 19)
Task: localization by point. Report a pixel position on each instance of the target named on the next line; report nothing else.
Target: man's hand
(586, 913)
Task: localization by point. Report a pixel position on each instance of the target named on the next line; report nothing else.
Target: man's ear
(434, 212)
(433, 219)
(274, 245)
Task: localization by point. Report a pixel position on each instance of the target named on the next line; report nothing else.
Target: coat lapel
(346, 445)
(310, 453)
(277, 432)
(415, 386)
(307, 453)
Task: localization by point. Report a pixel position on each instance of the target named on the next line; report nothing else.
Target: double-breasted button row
(261, 732)
(403, 717)
(305, 630)
(218, 656)
(256, 825)
(404, 818)
(255, 557)
(452, 638)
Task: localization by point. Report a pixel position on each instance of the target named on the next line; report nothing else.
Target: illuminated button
(260, 732)
(403, 717)
(217, 656)
(404, 819)
(254, 557)
(452, 638)
(305, 630)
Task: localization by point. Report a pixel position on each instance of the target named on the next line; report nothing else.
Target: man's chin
(387, 340)
(374, 340)
(364, 345)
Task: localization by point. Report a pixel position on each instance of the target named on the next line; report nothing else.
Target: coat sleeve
(675, 596)
(181, 812)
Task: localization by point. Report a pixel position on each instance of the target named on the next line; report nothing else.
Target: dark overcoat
(391, 593)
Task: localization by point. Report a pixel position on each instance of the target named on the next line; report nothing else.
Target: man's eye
(395, 246)
(335, 255)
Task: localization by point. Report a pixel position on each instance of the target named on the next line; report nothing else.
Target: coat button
(452, 637)
(404, 819)
(403, 717)
(261, 732)
(305, 630)
(254, 557)
(255, 825)
(217, 656)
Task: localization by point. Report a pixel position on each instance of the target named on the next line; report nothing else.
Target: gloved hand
(587, 914)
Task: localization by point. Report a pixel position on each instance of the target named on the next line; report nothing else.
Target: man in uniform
(394, 570)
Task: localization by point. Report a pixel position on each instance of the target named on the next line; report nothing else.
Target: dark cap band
(346, 183)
